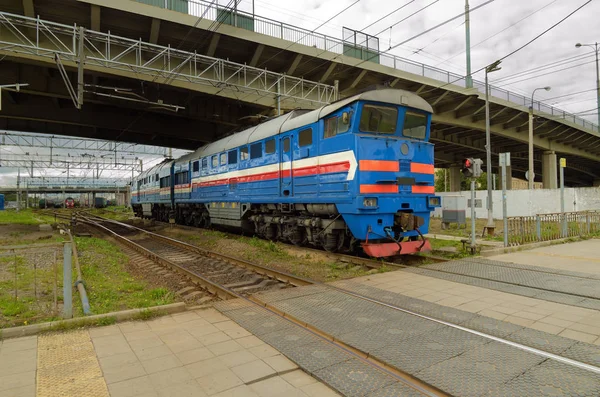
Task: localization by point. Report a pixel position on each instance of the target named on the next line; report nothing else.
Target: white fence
(530, 202)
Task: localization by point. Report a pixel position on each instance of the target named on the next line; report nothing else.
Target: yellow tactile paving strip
(67, 366)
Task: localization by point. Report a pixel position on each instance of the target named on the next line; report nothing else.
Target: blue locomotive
(357, 173)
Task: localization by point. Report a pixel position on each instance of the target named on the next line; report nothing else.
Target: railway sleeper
(255, 279)
(263, 284)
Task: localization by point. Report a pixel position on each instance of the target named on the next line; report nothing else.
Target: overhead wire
(504, 84)
(541, 68)
(388, 15)
(339, 55)
(571, 94)
(502, 31)
(519, 48)
(442, 36)
(182, 41)
(295, 14)
(312, 31)
(416, 36)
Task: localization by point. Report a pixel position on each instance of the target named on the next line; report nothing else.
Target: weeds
(146, 314)
(106, 321)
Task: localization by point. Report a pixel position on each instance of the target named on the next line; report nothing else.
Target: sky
(497, 29)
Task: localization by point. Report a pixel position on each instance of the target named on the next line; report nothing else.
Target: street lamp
(530, 173)
(488, 147)
(595, 47)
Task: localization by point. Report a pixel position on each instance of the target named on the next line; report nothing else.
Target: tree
(465, 184)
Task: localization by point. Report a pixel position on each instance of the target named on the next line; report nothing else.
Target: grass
(279, 256)
(109, 286)
(120, 213)
(435, 227)
(24, 217)
(19, 304)
(436, 244)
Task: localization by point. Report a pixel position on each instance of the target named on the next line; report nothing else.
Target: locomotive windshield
(379, 119)
(415, 125)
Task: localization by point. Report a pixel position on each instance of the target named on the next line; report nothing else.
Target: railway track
(218, 273)
(224, 276)
(398, 263)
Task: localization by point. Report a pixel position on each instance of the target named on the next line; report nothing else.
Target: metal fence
(30, 284)
(269, 27)
(546, 227)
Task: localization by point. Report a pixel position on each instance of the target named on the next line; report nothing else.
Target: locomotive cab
(396, 175)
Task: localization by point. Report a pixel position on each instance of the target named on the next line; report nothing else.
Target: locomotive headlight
(435, 201)
(370, 202)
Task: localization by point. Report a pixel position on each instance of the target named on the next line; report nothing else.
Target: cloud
(485, 22)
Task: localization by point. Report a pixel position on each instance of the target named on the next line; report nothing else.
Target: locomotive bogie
(358, 172)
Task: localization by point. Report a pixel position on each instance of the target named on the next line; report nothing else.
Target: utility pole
(488, 148)
(18, 189)
(531, 173)
(563, 164)
(595, 47)
(469, 79)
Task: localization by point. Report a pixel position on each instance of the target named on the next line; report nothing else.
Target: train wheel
(331, 242)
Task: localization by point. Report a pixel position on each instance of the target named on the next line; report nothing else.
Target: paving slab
(160, 357)
(458, 362)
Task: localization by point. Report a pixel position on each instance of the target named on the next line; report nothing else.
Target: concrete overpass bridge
(184, 80)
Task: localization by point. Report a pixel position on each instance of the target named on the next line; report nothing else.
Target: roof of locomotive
(298, 118)
(154, 169)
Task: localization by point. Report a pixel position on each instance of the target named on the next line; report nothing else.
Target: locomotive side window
(244, 153)
(270, 146)
(205, 163)
(196, 166)
(415, 125)
(330, 127)
(156, 178)
(305, 137)
(379, 119)
(223, 159)
(256, 151)
(214, 161)
(335, 126)
(232, 156)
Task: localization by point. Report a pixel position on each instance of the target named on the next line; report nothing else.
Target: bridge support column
(508, 179)
(549, 167)
(455, 178)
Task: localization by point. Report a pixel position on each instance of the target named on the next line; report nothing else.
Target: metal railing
(61, 43)
(75, 182)
(321, 41)
(546, 227)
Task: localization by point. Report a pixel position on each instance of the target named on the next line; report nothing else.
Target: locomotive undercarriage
(318, 225)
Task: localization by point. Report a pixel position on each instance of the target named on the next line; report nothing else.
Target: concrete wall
(531, 202)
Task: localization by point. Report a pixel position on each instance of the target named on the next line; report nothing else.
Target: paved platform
(196, 353)
(573, 322)
(582, 256)
(457, 362)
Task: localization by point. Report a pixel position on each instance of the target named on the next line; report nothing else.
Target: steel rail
(226, 293)
(214, 288)
(285, 277)
(344, 258)
(529, 349)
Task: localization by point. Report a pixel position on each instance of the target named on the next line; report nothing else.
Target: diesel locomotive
(355, 174)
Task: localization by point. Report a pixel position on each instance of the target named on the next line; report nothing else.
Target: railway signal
(471, 167)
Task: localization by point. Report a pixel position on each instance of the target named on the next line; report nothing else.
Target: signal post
(471, 169)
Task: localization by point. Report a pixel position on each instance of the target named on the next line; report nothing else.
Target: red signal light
(467, 163)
